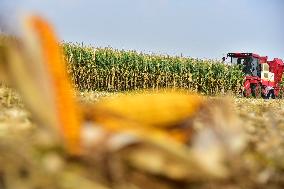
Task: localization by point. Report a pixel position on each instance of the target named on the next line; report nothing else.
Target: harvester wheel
(247, 92)
(270, 94)
(256, 90)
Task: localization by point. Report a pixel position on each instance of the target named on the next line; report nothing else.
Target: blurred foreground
(31, 158)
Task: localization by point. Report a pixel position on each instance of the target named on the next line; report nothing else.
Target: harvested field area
(31, 158)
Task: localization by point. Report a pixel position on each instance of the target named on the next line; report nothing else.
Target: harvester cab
(262, 77)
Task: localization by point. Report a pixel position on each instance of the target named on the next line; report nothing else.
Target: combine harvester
(262, 77)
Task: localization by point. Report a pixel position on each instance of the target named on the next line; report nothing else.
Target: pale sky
(196, 28)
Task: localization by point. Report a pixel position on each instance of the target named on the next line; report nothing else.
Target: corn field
(108, 69)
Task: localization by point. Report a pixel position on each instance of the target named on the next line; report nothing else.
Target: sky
(195, 28)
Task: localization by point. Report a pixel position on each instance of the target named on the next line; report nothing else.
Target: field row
(108, 69)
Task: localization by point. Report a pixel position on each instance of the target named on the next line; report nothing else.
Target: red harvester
(262, 77)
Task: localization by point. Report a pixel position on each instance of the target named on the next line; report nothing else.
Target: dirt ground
(30, 158)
